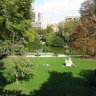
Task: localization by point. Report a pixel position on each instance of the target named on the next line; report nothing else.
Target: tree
(84, 35)
(57, 42)
(88, 19)
(40, 31)
(49, 29)
(66, 30)
(49, 35)
(79, 38)
(88, 7)
(17, 68)
(36, 45)
(15, 19)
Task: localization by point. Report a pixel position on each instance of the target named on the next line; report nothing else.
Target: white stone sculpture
(69, 62)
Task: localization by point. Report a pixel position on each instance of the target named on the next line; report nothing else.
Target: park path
(48, 55)
(44, 55)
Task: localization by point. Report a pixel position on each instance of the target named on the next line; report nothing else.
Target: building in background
(37, 19)
(70, 18)
(55, 27)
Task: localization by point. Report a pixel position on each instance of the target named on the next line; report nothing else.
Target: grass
(57, 80)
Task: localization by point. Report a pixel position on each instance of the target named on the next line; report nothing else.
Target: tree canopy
(84, 36)
(15, 20)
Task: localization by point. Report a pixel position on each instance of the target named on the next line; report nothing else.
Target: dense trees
(49, 35)
(66, 30)
(84, 36)
(15, 16)
(15, 36)
(15, 20)
(57, 42)
(88, 7)
(16, 33)
(53, 39)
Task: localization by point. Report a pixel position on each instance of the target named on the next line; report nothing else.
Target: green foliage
(59, 50)
(36, 45)
(58, 42)
(46, 48)
(5, 46)
(15, 20)
(32, 40)
(1, 20)
(40, 31)
(17, 68)
(30, 35)
(49, 38)
(49, 35)
(66, 30)
(9, 48)
(70, 25)
(15, 12)
(49, 29)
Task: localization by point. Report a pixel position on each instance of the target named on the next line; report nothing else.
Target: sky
(55, 11)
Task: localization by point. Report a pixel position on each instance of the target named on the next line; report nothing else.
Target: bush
(37, 54)
(17, 68)
(58, 42)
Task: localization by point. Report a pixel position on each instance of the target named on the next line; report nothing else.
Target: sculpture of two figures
(69, 63)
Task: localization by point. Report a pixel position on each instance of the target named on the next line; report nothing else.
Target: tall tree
(49, 35)
(84, 36)
(66, 30)
(15, 19)
(57, 42)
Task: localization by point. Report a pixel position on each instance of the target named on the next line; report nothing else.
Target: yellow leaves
(30, 35)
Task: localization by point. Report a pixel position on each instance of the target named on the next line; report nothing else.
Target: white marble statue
(69, 62)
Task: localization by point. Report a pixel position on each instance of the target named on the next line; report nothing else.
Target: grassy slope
(57, 78)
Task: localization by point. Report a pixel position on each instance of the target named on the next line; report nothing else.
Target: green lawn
(57, 80)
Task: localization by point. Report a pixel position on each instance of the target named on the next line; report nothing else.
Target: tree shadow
(90, 76)
(59, 84)
(64, 84)
(11, 93)
(3, 81)
(3, 56)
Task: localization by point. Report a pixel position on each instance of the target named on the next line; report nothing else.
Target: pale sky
(55, 11)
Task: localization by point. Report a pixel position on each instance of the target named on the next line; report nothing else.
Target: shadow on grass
(64, 84)
(3, 81)
(59, 84)
(90, 77)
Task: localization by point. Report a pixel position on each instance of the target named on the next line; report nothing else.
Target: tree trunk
(17, 79)
(13, 42)
(93, 51)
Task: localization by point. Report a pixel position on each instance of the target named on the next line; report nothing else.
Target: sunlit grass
(42, 72)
